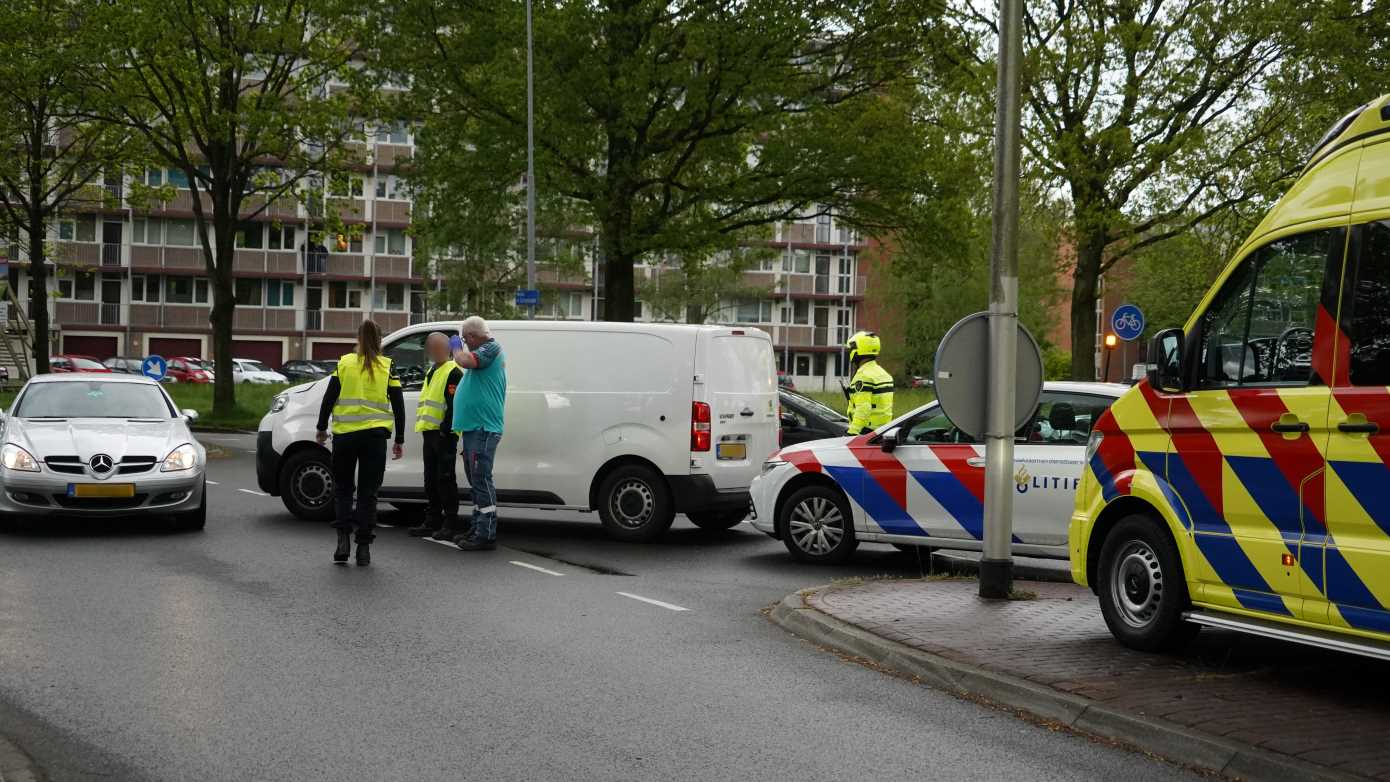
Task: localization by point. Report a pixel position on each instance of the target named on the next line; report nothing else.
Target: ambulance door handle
(976, 461)
(1289, 423)
(1361, 426)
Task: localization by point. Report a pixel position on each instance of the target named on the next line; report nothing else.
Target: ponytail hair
(369, 345)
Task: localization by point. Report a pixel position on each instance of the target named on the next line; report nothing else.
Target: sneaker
(468, 544)
(364, 554)
(422, 531)
(446, 534)
(340, 554)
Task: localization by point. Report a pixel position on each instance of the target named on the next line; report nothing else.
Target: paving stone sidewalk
(1327, 709)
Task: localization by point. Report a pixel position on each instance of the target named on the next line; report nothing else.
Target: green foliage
(670, 129)
(1168, 280)
(696, 290)
(1056, 364)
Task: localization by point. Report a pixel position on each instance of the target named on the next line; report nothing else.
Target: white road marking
(536, 568)
(253, 491)
(388, 526)
(668, 606)
(448, 543)
(213, 483)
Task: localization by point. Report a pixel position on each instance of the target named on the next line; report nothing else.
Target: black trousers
(359, 464)
(440, 454)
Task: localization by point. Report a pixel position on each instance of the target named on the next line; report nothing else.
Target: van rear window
(744, 364)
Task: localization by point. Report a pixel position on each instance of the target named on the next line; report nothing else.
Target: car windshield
(87, 363)
(253, 366)
(92, 399)
(819, 409)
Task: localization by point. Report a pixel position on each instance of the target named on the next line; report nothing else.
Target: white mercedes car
(919, 481)
(100, 445)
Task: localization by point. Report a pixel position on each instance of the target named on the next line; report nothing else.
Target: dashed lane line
(536, 568)
(448, 543)
(253, 491)
(213, 483)
(667, 606)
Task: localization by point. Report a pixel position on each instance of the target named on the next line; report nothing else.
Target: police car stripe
(956, 499)
(869, 495)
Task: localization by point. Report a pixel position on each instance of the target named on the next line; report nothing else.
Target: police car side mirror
(890, 442)
(1166, 361)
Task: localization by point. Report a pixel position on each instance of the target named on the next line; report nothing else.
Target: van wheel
(306, 485)
(817, 527)
(717, 520)
(634, 503)
(1141, 586)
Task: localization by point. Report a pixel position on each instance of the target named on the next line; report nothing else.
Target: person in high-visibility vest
(871, 388)
(365, 402)
(434, 420)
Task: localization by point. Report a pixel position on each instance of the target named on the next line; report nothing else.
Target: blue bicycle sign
(1128, 322)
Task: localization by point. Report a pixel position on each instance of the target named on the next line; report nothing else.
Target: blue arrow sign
(154, 367)
(1128, 322)
(528, 297)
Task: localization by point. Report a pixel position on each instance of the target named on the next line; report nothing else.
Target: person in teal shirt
(478, 412)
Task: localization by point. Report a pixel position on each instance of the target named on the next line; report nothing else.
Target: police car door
(1048, 457)
(932, 484)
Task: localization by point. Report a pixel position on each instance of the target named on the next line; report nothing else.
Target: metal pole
(996, 566)
(530, 167)
(1105, 372)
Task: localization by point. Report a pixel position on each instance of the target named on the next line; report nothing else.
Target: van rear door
(736, 375)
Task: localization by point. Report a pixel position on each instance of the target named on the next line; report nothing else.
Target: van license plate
(101, 490)
(733, 451)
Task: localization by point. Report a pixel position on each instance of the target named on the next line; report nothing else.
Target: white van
(636, 421)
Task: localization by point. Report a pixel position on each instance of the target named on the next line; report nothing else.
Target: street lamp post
(530, 166)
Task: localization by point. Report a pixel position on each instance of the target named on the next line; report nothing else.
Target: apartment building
(132, 281)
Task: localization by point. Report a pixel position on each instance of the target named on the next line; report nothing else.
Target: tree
(671, 128)
(247, 99)
(1167, 280)
(697, 290)
(1154, 116)
(55, 151)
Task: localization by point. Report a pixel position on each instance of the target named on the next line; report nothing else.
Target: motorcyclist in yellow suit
(871, 389)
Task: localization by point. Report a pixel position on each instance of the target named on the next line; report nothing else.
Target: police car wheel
(1142, 589)
(306, 485)
(816, 526)
(634, 503)
(717, 520)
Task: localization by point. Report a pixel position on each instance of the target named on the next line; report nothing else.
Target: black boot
(423, 531)
(340, 554)
(364, 551)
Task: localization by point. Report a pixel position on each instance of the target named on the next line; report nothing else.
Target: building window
(819, 365)
(347, 243)
(146, 230)
(81, 286)
(248, 291)
(390, 296)
(185, 290)
(144, 288)
(390, 241)
(279, 293)
(154, 177)
(394, 133)
(390, 187)
(78, 229)
(280, 238)
(179, 233)
(801, 312)
(177, 178)
(803, 364)
(67, 230)
(345, 186)
(797, 261)
(754, 311)
(823, 229)
(341, 297)
(251, 236)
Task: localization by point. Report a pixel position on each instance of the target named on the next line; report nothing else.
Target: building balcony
(185, 316)
(820, 285)
(391, 267)
(557, 278)
(350, 210)
(390, 155)
(798, 336)
(149, 256)
(87, 313)
(250, 318)
(336, 264)
(396, 213)
(266, 261)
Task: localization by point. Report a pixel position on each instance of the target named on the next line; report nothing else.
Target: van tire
(635, 504)
(306, 485)
(1142, 589)
(822, 505)
(715, 521)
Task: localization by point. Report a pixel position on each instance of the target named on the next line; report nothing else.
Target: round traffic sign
(962, 371)
(1128, 322)
(154, 367)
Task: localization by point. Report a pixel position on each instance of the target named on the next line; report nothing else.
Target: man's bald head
(437, 346)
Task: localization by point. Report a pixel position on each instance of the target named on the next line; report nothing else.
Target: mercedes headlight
(1093, 443)
(278, 403)
(185, 457)
(772, 464)
(16, 458)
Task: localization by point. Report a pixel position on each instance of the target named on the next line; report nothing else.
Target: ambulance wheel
(1142, 589)
(306, 485)
(717, 520)
(816, 525)
(634, 503)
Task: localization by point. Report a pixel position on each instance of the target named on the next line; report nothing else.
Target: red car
(187, 369)
(75, 363)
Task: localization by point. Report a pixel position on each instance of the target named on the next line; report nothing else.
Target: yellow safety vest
(362, 401)
(429, 413)
(870, 398)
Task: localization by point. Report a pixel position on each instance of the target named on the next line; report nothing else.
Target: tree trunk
(223, 309)
(695, 313)
(38, 287)
(1085, 282)
(619, 292)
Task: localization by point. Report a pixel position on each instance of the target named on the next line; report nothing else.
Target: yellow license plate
(733, 450)
(101, 490)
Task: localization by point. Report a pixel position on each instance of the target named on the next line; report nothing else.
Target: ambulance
(1244, 483)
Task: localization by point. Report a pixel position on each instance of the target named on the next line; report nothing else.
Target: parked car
(919, 481)
(188, 369)
(302, 370)
(804, 419)
(125, 365)
(679, 419)
(784, 380)
(112, 445)
(75, 363)
(247, 370)
(921, 381)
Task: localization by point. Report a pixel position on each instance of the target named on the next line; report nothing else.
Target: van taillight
(699, 426)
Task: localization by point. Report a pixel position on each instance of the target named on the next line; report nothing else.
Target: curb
(1156, 736)
(15, 765)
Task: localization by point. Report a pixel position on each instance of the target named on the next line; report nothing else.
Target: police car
(919, 481)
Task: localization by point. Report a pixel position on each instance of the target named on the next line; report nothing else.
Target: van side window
(408, 358)
(1370, 310)
(1259, 329)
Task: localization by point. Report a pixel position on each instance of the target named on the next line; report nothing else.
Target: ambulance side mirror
(1165, 361)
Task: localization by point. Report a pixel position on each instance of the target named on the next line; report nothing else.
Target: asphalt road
(243, 653)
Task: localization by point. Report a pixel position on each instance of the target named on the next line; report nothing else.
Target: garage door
(100, 348)
(331, 351)
(269, 353)
(169, 347)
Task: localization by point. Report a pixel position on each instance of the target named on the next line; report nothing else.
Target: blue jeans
(479, 448)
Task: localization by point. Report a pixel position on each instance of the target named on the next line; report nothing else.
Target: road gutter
(1159, 737)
